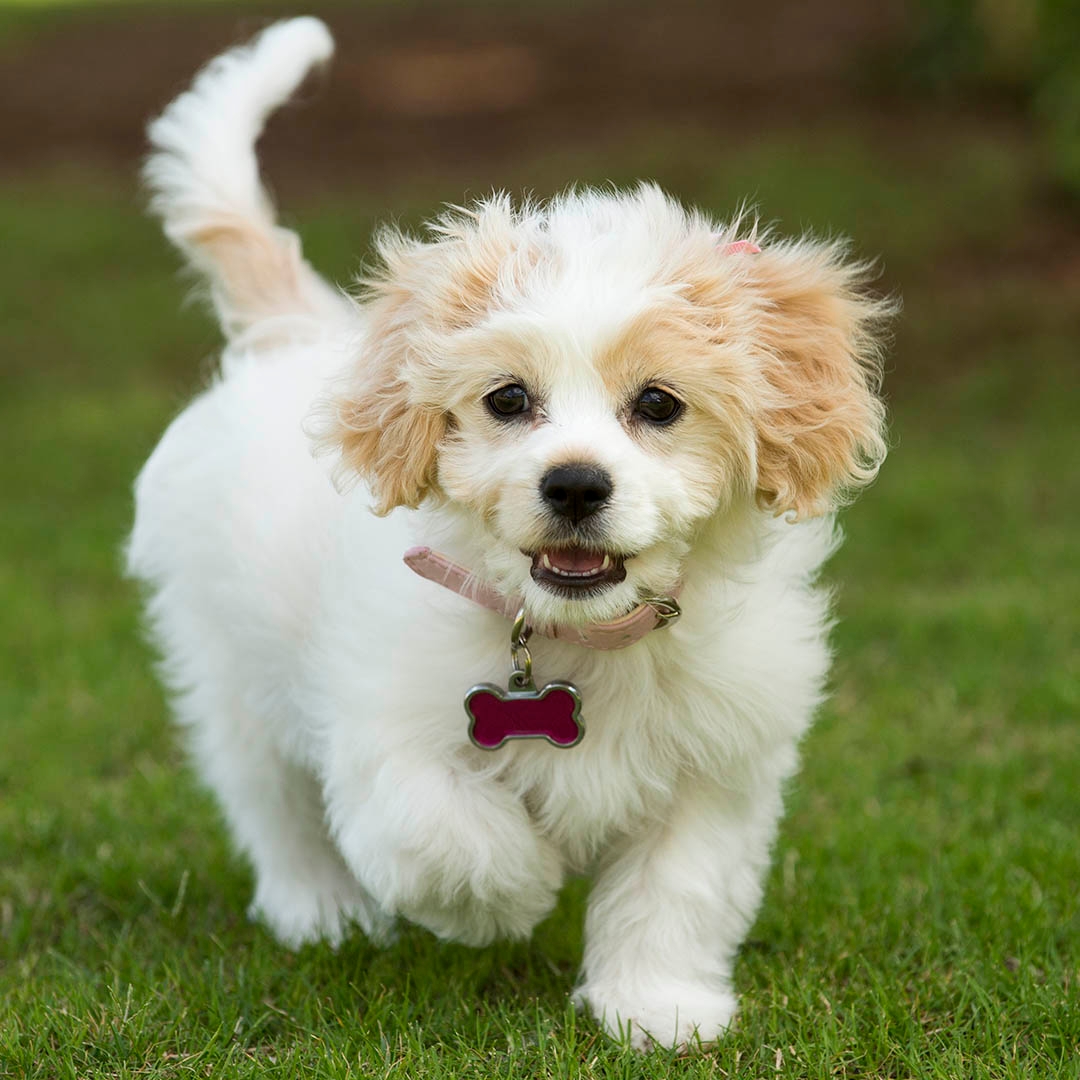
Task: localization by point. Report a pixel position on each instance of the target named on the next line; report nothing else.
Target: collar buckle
(667, 609)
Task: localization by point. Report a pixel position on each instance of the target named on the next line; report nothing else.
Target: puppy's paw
(300, 911)
(670, 1016)
(470, 867)
(505, 895)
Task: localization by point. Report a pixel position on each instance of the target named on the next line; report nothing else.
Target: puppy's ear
(374, 419)
(821, 432)
(390, 416)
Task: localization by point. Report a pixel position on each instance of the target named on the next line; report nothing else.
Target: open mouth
(576, 571)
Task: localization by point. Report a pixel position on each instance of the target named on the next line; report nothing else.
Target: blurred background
(942, 137)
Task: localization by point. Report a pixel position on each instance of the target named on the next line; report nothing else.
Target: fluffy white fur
(321, 682)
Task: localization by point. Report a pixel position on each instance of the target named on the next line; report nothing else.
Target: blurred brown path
(424, 88)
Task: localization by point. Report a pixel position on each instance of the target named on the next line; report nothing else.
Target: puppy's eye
(511, 400)
(657, 406)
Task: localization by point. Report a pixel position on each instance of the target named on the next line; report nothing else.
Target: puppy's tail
(205, 186)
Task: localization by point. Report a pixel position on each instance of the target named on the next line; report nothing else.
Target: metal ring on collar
(666, 607)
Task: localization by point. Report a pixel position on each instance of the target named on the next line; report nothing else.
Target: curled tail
(204, 179)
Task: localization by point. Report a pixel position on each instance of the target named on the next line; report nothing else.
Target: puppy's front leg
(668, 912)
(444, 846)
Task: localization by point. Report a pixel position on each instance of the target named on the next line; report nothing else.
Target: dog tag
(552, 713)
(523, 712)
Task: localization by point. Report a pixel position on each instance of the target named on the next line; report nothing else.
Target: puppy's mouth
(575, 571)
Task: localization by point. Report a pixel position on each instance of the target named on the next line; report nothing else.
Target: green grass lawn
(922, 915)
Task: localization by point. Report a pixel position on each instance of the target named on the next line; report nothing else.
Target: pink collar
(617, 634)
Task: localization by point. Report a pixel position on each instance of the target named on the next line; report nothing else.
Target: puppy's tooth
(545, 561)
(606, 564)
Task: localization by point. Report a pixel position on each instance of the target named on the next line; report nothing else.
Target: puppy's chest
(622, 775)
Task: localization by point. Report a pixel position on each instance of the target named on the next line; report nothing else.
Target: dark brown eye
(510, 400)
(657, 406)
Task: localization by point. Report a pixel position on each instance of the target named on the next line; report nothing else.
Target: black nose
(575, 490)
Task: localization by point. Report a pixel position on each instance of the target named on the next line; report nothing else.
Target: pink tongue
(576, 560)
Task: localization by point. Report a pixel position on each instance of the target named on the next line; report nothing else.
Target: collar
(651, 614)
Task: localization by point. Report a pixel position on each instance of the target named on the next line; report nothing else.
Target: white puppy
(583, 404)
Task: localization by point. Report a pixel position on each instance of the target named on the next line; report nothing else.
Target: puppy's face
(584, 386)
(588, 444)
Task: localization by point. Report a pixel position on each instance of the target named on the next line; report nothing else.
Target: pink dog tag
(522, 711)
(552, 713)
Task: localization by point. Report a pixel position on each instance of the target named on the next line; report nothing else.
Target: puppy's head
(581, 386)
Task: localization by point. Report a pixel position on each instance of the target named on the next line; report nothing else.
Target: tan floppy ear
(821, 433)
(385, 420)
(373, 419)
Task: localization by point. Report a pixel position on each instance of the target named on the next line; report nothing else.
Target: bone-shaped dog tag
(552, 712)
(522, 711)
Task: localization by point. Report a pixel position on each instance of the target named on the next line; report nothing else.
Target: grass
(922, 915)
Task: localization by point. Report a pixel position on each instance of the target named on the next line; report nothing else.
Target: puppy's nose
(576, 490)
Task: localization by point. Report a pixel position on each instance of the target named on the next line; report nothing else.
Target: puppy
(589, 414)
